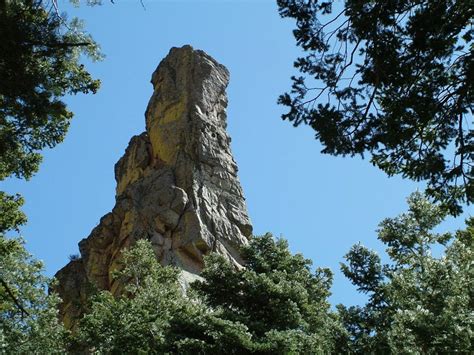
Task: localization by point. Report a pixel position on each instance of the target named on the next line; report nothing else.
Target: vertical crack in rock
(177, 184)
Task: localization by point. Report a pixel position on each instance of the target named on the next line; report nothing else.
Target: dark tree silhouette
(392, 78)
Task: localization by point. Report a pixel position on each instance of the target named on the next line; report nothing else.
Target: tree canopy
(280, 300)
(418, 303)
(274, 306)
(393, 79)
(29, 320)
(39, 64)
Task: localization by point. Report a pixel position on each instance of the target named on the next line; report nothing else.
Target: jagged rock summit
(177, 183)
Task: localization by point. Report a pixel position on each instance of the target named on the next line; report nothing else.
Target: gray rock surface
(177, 184)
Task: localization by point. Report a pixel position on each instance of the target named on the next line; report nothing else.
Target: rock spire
(177, 184)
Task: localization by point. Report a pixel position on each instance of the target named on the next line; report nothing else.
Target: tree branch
(61, 44)
(12, 296)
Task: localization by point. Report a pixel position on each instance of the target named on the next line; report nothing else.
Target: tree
(28, 314)
(11, 217)
(418, 303)
(135, 321)
(393, 79)
(280, 301)
(39, 64)
(274, 305)
(153, 315)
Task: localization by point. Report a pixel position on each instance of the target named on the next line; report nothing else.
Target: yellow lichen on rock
(177, 184)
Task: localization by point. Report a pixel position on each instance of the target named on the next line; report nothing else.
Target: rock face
(177, 183)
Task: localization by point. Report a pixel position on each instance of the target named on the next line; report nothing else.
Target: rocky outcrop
(177, 183)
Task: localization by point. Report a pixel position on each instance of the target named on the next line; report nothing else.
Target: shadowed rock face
(177, 183)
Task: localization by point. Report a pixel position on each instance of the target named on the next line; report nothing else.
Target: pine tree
(393, 80)
(418, 303)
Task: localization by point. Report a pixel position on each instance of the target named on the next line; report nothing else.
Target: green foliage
(391, 78)
(138, 320)
(153, 315)
(28, 314)
(11, 218)
(276, 305)
(418, 303)
(276, 296)
(39, 64)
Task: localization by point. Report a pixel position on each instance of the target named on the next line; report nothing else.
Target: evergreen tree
(274, 305)
(418, 303)
(153, 315)
(394, 79)
(28, 314)
(39, 64)
(280, 301)
(138, 319)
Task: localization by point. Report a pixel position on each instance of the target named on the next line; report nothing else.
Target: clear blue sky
(321, 204)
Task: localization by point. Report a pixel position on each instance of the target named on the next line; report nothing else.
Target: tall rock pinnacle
(177, 183)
